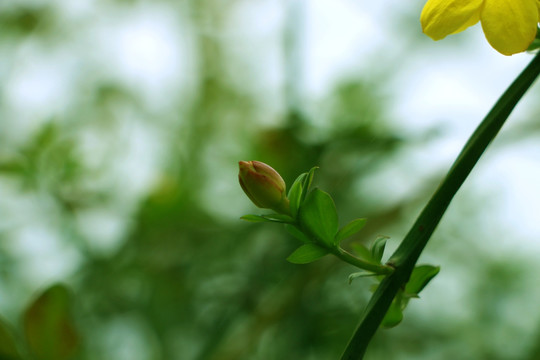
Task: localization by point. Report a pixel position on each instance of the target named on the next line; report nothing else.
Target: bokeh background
(121, 125)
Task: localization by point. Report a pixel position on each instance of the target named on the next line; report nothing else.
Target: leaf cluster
(314, 222)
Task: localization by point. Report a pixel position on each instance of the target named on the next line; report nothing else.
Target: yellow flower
(509, 25)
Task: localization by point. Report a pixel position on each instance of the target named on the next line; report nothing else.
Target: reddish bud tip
(264, 186)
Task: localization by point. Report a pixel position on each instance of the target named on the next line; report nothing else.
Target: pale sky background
(437, 84)
(449, 84)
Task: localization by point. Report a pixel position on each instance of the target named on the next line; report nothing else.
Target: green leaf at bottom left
(8, 347)
(307, 253)
(49, 327)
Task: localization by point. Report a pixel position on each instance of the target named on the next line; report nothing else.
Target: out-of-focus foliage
(121, 125)
(8, 347)
(48, 325)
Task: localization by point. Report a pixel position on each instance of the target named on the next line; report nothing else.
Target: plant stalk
(359, 263)
(405, 257)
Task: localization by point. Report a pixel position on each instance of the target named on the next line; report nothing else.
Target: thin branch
(405, 257)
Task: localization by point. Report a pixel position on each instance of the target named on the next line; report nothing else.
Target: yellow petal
(509, 25)
(473, 20)
(440, 18)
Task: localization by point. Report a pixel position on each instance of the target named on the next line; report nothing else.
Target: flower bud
(264, 186)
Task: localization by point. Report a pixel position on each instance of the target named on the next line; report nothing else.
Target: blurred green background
(121, 126)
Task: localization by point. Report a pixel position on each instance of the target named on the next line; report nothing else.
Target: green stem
(405, 257)
(359, 263)
(344, 255)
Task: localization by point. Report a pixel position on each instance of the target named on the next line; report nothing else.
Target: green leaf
(363, 253)
(377, 249)
(255, 218)
(536, 42)
(420, 277)
(12, 167)
(295, 193)
(307, 183)
(319, 217)
(294, 231)
(280, 218)
(394, 315)
(8, 347)
(49, 329)
(360, 274)
(299, 190)
(350, 229)
(535, 45)
(307, 253)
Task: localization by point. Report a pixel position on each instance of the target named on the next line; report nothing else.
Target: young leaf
(360, 274)
(363, 253)
(307, 183)
(293, 230)
(377, 249)
(350, 229)
(420, 277)
(394, 315)
(295, 193)
(281, 218)
(319, 217)
(254, 218)
(307, 253)
(49, 329)
(8, 347)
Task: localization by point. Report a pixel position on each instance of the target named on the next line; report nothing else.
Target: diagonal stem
(405, 257)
